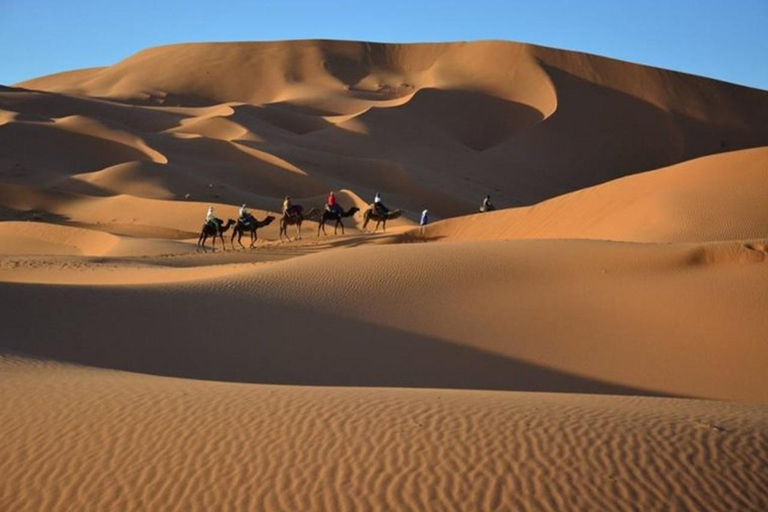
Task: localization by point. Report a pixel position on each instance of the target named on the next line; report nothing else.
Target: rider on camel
(245, 216)
(287, 206)
(210, 219)
(331, 205)
(378, 206)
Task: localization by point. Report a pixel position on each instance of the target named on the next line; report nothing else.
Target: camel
(372, 214)
(251, 228)
(295, 218)
(208, 230)
(336, 215)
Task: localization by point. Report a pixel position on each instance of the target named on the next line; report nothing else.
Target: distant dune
(597, 343)
(719, 197)
(448, 122)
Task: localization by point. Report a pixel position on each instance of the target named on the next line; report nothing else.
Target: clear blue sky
(724, 39)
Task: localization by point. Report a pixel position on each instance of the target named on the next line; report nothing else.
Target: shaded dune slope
(524, 123)
(357, 317)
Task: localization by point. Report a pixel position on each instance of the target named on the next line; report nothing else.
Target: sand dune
(586, 349)
(462, 120)
(112, 440)
(720, 197)
(392, 315)
(39, 238)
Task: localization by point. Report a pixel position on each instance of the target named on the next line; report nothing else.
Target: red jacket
(331, 200)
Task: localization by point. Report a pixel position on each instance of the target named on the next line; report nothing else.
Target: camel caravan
(292, 215)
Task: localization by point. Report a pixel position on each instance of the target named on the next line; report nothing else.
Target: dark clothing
(294, 209)
(216, 224)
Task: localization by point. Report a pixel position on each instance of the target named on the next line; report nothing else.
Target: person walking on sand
(487, 206)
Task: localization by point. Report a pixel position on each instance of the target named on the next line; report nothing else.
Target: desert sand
(594, 344)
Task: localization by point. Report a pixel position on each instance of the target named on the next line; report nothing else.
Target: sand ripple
(77, 439)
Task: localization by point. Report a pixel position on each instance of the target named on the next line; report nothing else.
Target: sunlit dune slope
(719, 197)
(117, 441)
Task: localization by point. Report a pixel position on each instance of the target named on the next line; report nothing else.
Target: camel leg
(199, 242)
(253, 238)
(223, 245)
(384, 226)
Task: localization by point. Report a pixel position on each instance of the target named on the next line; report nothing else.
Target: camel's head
(353, 210)
(269, 219)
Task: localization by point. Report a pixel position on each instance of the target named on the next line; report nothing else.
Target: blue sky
(721, 39)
